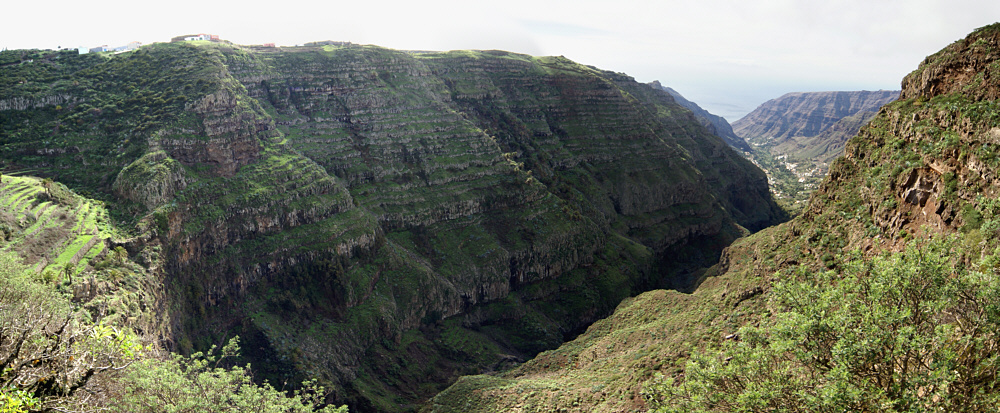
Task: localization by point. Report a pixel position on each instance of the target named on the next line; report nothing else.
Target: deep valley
(487, 231)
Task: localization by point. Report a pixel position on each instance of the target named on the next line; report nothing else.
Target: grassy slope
(69, 240)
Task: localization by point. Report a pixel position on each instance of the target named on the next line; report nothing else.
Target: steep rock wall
(487, 173)
(346, 208)
(806, 114)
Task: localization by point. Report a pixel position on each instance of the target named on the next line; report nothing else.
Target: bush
(47, 351)
(913, 331)
(13, 400)
(52, 359)
(198, 384)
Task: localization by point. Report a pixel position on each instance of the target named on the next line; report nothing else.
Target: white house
(128, 47)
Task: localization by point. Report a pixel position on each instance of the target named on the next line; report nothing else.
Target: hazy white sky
(726, 55)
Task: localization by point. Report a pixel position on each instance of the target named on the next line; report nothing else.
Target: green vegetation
(95, 107)
(48, 350)
(60, 230)
(909, 331)
(345, 208)
(197, 383)
(54, 358)
(17, 401)
(791, 193)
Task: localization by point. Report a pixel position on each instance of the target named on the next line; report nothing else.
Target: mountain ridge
(715, 124)
(380, 220)
(805, 114)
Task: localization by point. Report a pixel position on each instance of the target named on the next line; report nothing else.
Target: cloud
(555, 28)
(722, 47)
(738, 62)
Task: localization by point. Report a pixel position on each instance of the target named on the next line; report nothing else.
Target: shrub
(47, 353)
(914, 331)
(198, 384)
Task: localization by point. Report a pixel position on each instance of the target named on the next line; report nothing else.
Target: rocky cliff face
(805, 114)
(797, 136)
(828, 144)
(714, 123)
(922, 166)
(386, 221)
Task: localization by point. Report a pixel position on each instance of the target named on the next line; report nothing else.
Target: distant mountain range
(795, 137)
(803, 115)
(803, 125)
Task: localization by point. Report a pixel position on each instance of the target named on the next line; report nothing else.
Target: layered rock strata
(384, 220)
(805, 114)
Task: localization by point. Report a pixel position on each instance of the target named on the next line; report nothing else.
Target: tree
(47, 353)
(68, 269)
(912, 331)
(119, 255)
(47, 184)
(198, 384)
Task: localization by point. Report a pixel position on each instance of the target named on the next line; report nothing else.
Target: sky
(729, 56)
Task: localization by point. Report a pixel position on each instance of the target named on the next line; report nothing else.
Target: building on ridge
(193, 37)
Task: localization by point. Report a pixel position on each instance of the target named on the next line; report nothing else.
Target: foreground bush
(912, 331)
(198, 384)
(48, 352)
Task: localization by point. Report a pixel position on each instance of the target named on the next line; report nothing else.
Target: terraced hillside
(72, 244)
(893, 263)
(381, 220)
(67, 233)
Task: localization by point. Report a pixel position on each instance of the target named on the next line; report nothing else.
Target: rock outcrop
(967, 67)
